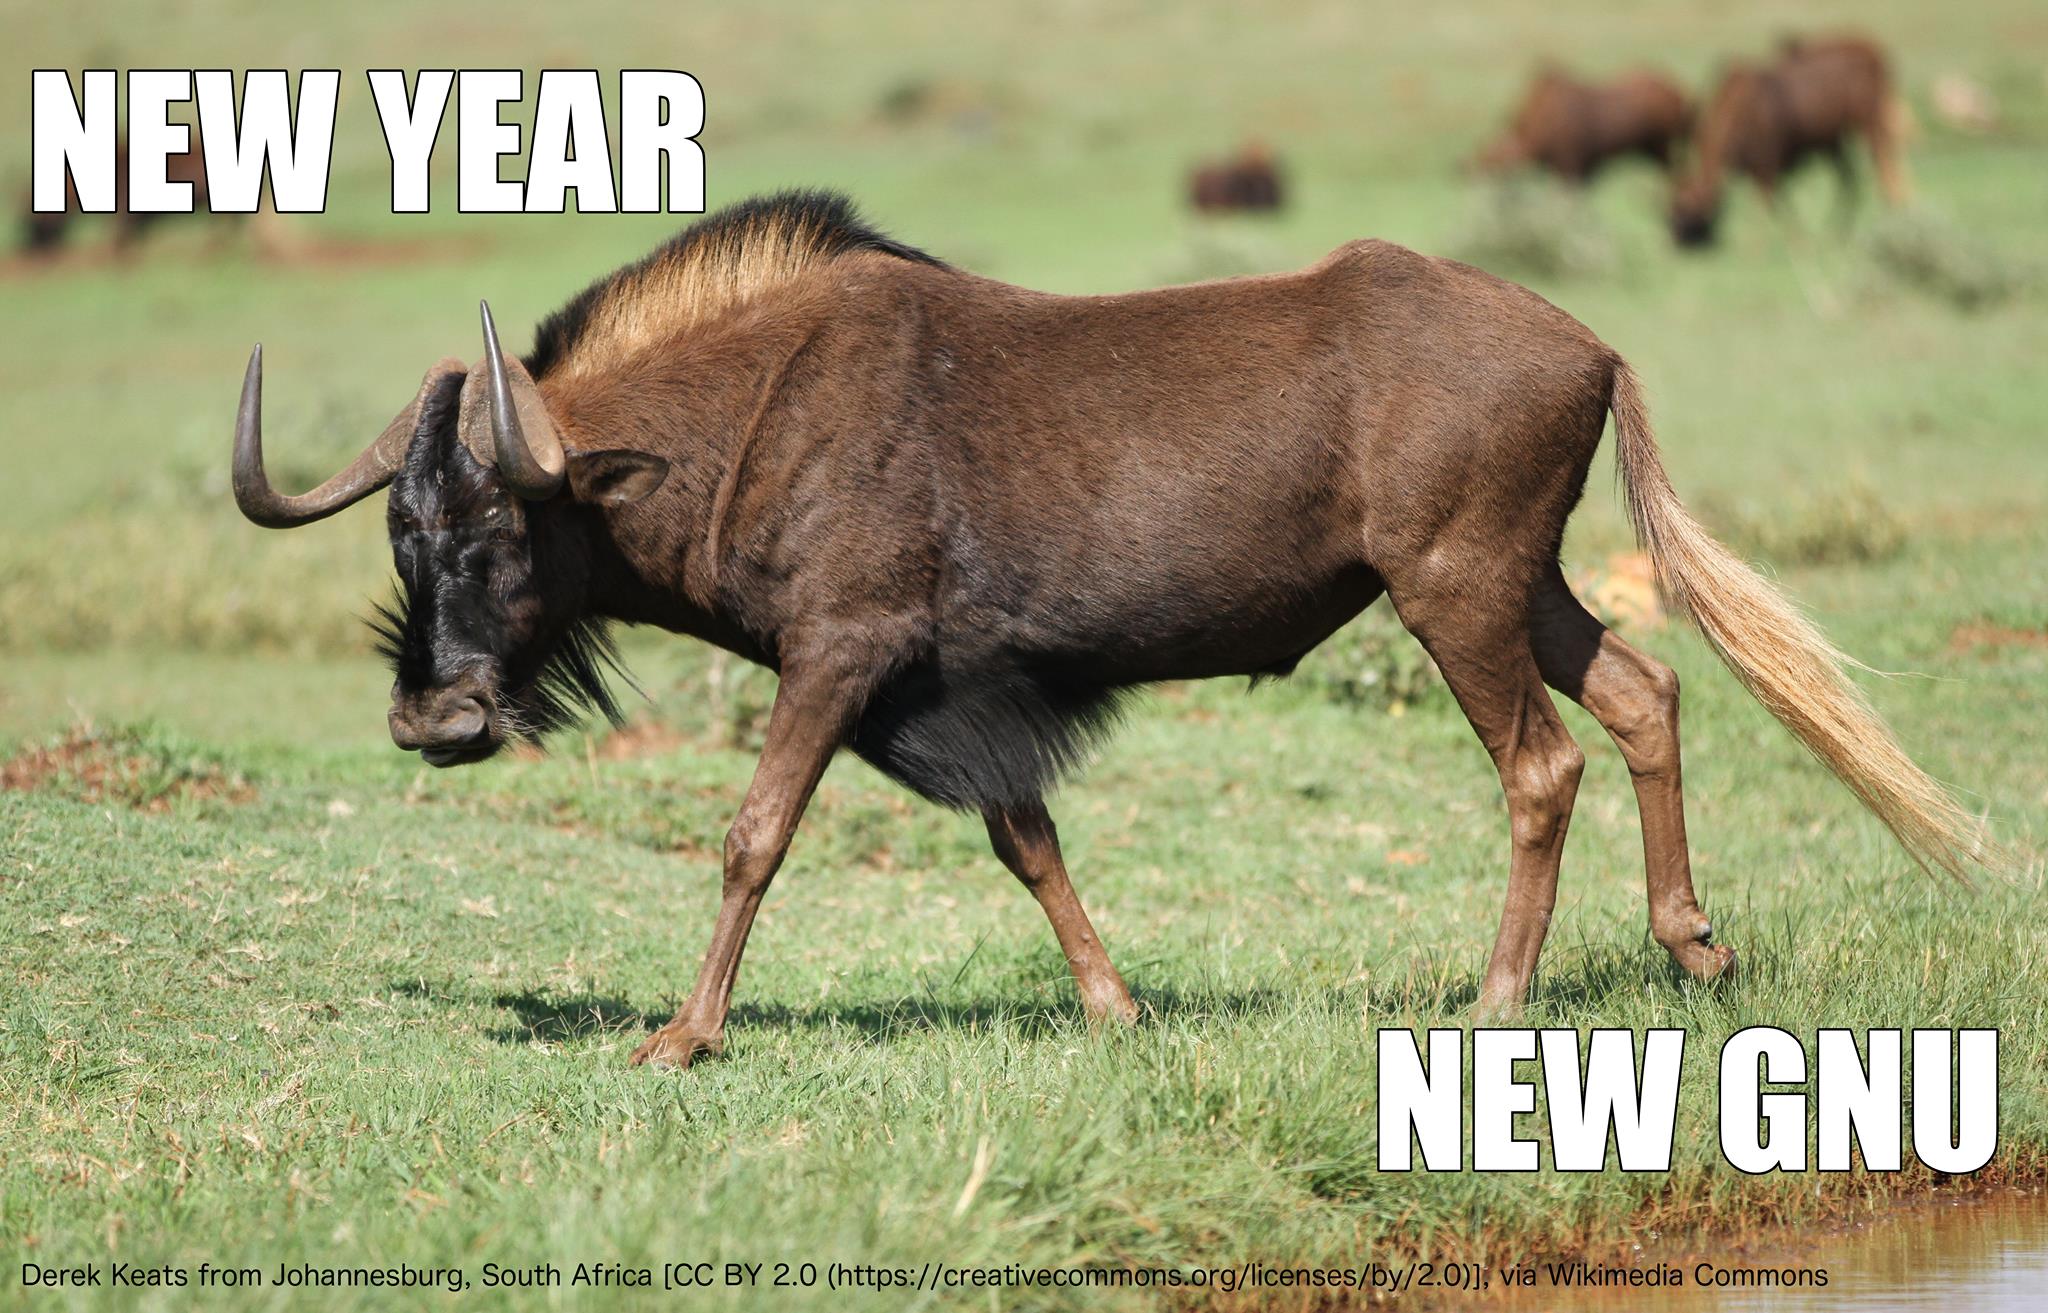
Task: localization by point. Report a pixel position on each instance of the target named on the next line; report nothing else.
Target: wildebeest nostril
(463, 721)
(453, 723)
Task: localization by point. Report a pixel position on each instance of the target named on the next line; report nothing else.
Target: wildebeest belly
(1041, 624)
(1007, 703)
(1126, 489)
(1042, 618)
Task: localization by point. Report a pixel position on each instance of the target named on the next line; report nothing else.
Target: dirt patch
(639, 738)
(92, 767)
(1977, 635)
(1622, 592)
(347, 253)
(292, 248)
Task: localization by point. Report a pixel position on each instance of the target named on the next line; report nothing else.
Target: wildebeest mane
(711, 267)
(572, 681)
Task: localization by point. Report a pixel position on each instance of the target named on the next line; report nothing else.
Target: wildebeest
(961, 518)
(1574, 128)
(41, 234)
(1248, 180)
(1766, 120)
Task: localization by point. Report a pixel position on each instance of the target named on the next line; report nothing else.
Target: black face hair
(469, 557)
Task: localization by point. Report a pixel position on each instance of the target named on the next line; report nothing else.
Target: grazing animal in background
(1575, 128)
(42, 234)
(1766, 120)
(961, 519)
(1246, 181)
(43, 231)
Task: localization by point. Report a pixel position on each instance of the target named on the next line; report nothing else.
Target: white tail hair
(1783, 660)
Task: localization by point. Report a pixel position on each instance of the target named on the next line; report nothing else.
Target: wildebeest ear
(614, 478)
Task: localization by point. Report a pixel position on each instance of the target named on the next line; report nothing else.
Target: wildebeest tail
(1782, 659)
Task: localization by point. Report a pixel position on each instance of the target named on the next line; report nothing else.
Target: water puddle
(1985, 1255)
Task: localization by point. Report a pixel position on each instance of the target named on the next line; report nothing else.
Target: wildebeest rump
(42, 233)
(1763, 121)
(960, 518)
(1248, 180)
(1574, 128)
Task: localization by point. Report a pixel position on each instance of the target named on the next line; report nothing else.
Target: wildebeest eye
(496, 520)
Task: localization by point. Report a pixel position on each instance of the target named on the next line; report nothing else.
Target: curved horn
(368, 472)
(529, 454)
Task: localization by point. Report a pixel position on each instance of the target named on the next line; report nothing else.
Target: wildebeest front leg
(1027, 843)
(1845, 186)
(805, 728)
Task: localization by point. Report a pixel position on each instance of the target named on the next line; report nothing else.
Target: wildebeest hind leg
(1635, 699)
(1845, 186)
(1027, 843)
(1481, 644)
(805, 728)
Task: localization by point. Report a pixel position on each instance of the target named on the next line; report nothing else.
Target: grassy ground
(277, 994)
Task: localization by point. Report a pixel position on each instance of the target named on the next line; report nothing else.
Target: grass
(279, 994)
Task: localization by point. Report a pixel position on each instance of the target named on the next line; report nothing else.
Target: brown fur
(1247, 181)
(1763, 121)
(959, 516)
(1574, 128)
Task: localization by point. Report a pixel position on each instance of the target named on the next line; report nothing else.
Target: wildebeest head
(1695, 212)
(491, 517)
(1540, 116)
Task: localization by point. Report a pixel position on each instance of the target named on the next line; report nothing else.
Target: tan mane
(730, 259)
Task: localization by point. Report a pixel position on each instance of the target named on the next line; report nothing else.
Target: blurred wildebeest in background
(41, 234)
(1248, 180)
(1573, 128)
(961, 519)
(42, 231)
(1766, 120)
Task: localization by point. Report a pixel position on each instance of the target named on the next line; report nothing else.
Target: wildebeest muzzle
(448, 726)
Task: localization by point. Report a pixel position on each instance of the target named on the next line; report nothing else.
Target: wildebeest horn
(368, 472)
(523, 438)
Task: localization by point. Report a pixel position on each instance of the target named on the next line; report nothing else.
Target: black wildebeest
(1766, 120)
(959, 517)
(1575, 128)
(42, 233)
(1246, 181)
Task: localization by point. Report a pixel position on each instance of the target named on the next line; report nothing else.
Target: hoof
(1116, 1010)
(1705, 962)
(1493, 1010)
(673, 1047)
(1694, 950)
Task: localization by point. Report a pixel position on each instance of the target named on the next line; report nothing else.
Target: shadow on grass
(1586, 976)
(1577, 977)
(553, 1018)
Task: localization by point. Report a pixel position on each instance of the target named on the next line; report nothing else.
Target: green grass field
(277, 993)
